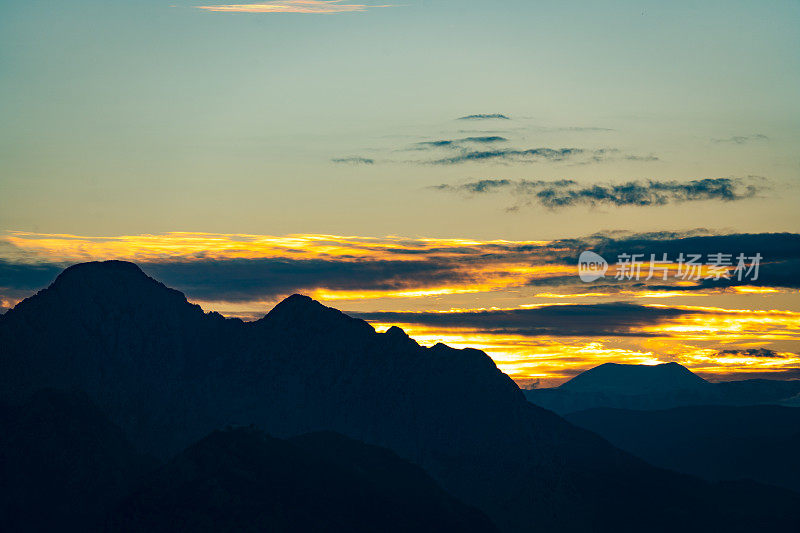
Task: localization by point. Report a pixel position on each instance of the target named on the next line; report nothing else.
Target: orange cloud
(291, 6)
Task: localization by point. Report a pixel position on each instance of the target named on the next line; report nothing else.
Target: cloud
(521, 156)
(267, 279)
(479, 186)
(354, 160)
(581, 320)
(752, 352)
(458, 143)
(613, 319)
(488, 116)
(257, 268)
(26, 276)
(742, 139)
(534, 155)
(435, 144)
(291, 6)
(568, 193)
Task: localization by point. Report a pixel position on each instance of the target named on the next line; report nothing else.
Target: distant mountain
(656, 387)
(244, 480)
(169, 374)
(635, 379)
(63, 465)
(714, 442)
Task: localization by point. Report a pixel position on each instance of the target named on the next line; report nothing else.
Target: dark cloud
(751, 352)
(458, 143)
(27, 276)
(742, 139)
(354, 160)
(435, 144)
(578, 320)
(249, 279)
(534, 155)
(523, 156)
(485, 139)
(779, 265)
(479, 186)
(567, 193)
(485, 117)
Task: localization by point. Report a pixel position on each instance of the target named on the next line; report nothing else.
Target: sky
(434, 164)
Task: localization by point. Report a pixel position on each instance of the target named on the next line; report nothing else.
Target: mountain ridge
(169, 374)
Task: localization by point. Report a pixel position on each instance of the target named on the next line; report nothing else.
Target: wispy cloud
(529, 155)
(742, 139)
(567, 193)
(292, 6)
(752, 352)
(485, 116)
(580, 156)
(459, 143)
(354, 160)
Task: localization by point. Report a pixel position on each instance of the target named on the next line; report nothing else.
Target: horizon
(464, 338)
(438, 165)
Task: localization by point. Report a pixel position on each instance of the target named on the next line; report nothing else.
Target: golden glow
(742, 289)
(489, 269)
(555, 359)
(479, 276)
(729, 324)
(187, 246)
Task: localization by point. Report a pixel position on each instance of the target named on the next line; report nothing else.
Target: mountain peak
(90, 290)
(100, 268)
(110, 280)
(296, 306)
(301, 311)
(395, 332)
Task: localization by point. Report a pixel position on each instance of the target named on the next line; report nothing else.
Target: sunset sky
(439, 165)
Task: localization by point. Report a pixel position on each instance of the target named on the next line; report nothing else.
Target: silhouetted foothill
(244, 480)
(63, 465)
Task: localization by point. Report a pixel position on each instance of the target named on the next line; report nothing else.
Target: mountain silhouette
(650, 387)
(635, 379)
(243, 480)
(169, 374)
(715, 442)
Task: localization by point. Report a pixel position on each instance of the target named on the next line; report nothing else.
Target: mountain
(635, 379)
(63, 464)
(243, 480)
(663, 386)
(714, 442)
(169, 374)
